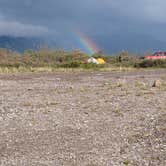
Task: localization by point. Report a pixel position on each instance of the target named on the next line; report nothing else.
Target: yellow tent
(101, 61)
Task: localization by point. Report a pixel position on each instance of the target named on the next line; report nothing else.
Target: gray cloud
(13, 28)
(55, 13)
(59, 18)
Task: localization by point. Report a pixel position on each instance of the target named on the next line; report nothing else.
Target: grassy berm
(83, 119)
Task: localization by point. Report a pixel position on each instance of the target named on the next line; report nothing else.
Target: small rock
(1, 118)
(157, 83)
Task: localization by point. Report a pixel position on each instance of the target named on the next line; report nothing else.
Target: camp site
(82, 83)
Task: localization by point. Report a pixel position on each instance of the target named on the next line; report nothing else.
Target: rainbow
(86, 43)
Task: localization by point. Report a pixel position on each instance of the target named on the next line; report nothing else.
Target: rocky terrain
(83, 119)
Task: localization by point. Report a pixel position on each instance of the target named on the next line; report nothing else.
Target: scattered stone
(1, 118)
(157, 83)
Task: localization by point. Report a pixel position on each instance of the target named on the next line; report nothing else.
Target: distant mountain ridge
(108, 44)
(20, 44)
(132, 43)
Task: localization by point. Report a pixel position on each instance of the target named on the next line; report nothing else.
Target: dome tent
(98, 61)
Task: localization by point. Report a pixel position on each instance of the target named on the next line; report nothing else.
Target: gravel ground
(83, 119)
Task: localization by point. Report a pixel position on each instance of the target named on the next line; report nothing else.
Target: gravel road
(83, 119)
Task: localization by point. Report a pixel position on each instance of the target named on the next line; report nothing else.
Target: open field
(83, 119)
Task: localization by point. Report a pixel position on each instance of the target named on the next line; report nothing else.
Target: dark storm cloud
(96, 17)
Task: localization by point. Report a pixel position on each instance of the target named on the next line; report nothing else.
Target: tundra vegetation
(57, 59)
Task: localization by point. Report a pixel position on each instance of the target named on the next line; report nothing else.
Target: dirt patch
(83, 119)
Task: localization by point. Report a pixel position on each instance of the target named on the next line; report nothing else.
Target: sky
(61, 19)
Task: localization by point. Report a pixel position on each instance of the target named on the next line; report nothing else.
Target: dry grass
(59, 69)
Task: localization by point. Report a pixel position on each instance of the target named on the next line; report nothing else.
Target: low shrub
(91, 66)
(72, 59)
(70, 64)
(159, 63)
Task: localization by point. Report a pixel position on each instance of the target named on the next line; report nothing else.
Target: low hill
(20, 44)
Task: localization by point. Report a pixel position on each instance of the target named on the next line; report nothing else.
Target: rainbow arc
(86, 43)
